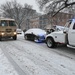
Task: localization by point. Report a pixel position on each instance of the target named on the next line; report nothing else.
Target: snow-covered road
(29, 58)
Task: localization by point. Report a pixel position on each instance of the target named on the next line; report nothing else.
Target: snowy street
(22, 57)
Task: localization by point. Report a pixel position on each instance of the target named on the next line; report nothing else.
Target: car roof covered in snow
(36, 31)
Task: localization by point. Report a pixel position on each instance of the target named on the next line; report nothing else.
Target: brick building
(39, 21)
(30, 21)
(45, 21)
(34, 22)
(59, 19)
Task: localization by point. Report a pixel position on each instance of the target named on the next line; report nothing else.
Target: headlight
(2, 33)
(15, 33)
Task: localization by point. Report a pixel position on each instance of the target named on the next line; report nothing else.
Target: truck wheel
(15, 37)
(50, 43)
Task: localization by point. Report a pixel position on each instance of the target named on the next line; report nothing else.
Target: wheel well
(50, 37)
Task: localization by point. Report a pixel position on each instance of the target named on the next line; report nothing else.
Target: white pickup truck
(66, 36)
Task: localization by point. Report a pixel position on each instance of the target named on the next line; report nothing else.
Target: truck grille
(8, 30)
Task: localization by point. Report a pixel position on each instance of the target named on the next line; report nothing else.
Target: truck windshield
(3, 23)
(6, 23)
(12, 23)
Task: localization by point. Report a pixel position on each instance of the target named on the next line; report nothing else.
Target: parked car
(35, 34)
(19, 31)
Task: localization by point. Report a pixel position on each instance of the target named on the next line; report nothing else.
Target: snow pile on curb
(5, 66)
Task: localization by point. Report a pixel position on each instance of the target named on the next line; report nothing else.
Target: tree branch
(63, 8)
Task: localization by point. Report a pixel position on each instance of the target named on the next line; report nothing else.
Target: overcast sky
(31, 2)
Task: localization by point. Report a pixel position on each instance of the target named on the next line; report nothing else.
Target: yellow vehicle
(7, 28)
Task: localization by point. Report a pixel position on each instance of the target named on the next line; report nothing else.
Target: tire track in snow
(15, 65)
(56, 71)
(69, 53)
(34, 70)
(41, 59)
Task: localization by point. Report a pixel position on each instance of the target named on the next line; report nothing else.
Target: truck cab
(7, 28)
(71, 33)
(66, 36)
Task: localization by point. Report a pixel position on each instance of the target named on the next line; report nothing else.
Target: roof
(6, 19)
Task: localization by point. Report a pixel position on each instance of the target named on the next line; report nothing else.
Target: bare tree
(17, 11)
(54, 6)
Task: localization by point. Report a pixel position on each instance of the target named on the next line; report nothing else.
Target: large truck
(66, 36)
(7, 28)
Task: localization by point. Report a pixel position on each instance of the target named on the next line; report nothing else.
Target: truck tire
(50, 43)
(15, 37)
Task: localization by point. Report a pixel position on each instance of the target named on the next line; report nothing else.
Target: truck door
(71, 35)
